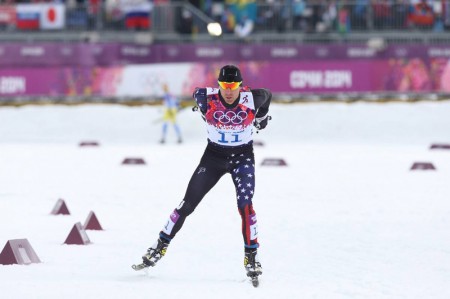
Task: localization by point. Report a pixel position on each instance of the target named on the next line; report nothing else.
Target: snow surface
(345, 219)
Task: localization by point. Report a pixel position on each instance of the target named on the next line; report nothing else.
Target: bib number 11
(228, 138)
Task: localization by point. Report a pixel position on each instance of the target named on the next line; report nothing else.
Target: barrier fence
(181, 18)
(118, 54)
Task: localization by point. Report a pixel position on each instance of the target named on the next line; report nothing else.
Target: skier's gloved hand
(200, 98)
(261, 122)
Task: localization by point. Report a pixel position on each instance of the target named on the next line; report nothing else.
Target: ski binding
(254, 278)
(255, 281)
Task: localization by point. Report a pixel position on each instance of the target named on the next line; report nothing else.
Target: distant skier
(171, 107)
(230, 112)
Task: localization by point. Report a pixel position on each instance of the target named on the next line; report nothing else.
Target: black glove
(201, 99)
(261, 122)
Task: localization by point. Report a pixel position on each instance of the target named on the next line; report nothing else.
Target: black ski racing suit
(222, 156)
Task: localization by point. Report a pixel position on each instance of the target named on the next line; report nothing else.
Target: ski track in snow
(345, 219)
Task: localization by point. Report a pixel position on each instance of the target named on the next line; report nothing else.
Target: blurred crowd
(242, 17)
(245, 16)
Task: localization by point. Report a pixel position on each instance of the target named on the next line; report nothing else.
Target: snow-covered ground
(345, 219)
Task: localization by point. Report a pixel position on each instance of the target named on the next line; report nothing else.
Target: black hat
(230, 73)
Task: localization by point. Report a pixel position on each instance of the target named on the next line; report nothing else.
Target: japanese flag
(53, 16)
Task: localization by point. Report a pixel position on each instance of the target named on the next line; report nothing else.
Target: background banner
(282, 77)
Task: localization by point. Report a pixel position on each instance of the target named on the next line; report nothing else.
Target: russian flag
(27, 16)
(137, 20)
(137, 15)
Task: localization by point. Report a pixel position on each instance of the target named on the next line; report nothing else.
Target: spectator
(281, 14)
(94, 11)
(228, 21)
(186, 22)
(307, 15)
(446, 13)
(316, 13)
(244, 12)
(244, 27)
(216, 10)
(358, 14)
(422, 15)
(400, 10)
(328, 18)
(343, 18)
(382, 14)
(298, 14)
(273, 15)
(438, 17)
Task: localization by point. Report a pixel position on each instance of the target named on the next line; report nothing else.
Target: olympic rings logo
(230, 117)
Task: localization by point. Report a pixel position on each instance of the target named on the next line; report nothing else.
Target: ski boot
(153, 255)
(252, 265)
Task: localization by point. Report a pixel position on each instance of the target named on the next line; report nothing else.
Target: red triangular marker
(133, 161)
(89, 143)
(92, 222)
(422, 166)
(18, 251)
(77, 236)
(60, 208)
(273, 162)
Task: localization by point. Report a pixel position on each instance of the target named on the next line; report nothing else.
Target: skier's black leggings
(217, 161)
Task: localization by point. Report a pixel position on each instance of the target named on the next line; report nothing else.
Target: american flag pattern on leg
(243, 175)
